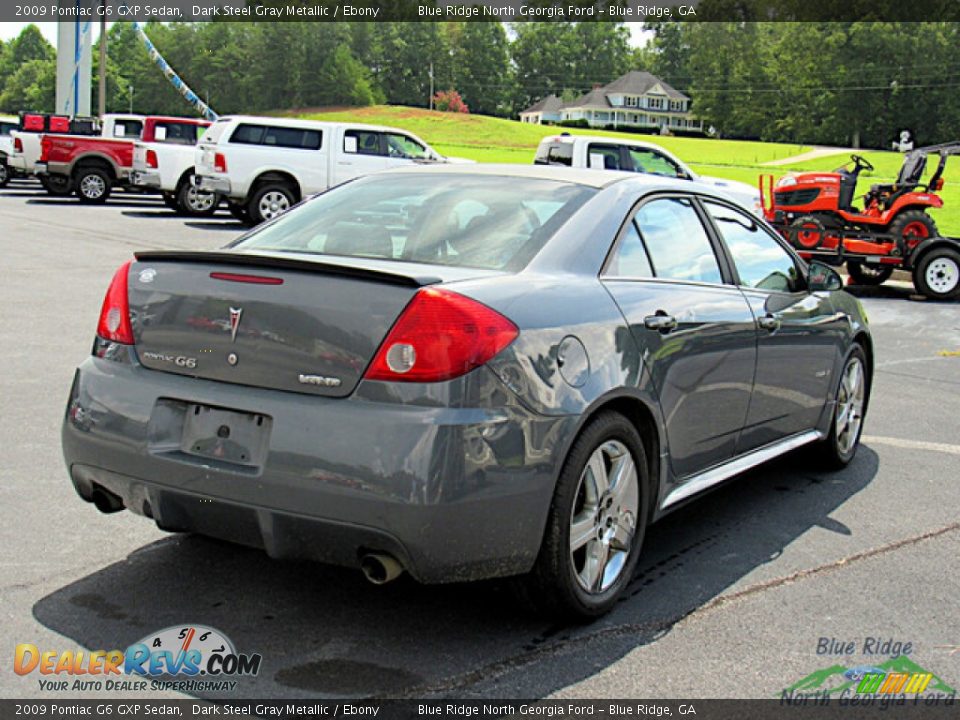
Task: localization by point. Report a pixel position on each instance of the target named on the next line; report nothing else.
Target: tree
(33, 86)
(484, 76)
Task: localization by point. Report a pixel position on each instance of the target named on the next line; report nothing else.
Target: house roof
(637, 82)
(551, 103)
(596, 98)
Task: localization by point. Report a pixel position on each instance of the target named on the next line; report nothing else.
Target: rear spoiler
(276, 262)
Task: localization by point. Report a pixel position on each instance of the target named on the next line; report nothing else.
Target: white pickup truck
(8, 124)
(27, 146)
(611, 153)
(163, 160)
(265, 165)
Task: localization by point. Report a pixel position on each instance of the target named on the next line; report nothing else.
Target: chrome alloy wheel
(850, 399)
(942, 275)
(273, 204)
(199, 201)
(92, 186)
(604, 517)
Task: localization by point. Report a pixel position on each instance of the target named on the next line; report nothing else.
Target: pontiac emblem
(235, 314)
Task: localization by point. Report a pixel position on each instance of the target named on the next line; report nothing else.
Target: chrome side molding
(709, 478)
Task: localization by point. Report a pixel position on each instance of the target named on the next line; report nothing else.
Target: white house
(637, 98)
(545, 110)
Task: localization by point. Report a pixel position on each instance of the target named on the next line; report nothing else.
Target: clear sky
(9, 30)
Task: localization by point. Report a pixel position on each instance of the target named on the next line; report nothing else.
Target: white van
(610, 153)
(264, 165)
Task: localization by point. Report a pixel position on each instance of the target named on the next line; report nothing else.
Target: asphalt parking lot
(732, 598)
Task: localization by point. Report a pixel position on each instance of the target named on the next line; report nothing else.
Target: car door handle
(769, 322)
(661, 322)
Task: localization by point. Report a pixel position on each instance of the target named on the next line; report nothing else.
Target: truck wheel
(914, 226)
(596, 524)
(194, 202)
(937, 275)
(170, 200)
(269, 201)
(869, 274)
(93, 186)
(4, 175)
(56, 185)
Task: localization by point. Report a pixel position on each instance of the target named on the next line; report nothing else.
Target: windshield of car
(489, 222)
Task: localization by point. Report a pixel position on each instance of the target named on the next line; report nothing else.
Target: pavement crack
(657, 628)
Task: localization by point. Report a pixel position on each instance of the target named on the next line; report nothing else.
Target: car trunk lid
(280, 321)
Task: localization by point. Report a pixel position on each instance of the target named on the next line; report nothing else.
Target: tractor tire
(807, 233)
(869, 274)
(93, 185)
(57, 185)
(914, 226)
(937, 275)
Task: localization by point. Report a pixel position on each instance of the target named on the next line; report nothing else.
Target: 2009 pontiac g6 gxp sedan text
(466, 372)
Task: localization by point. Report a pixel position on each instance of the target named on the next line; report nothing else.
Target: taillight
(114, 322)
(219, 163)
(152, 159)
(938, 186)
(44, 148)
(440, 335)
(18, 145)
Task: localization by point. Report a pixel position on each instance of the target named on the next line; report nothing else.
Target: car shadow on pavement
(112, 202)
(325, 631)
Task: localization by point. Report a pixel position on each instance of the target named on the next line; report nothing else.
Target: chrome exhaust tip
(379, 568)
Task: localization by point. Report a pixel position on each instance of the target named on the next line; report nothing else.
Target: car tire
(593, 536)
(92, 185)
(869, 274)
(4, 175)
(269, 201)
(195, 203)
(838, 449)
(57, 185)
(937, 275)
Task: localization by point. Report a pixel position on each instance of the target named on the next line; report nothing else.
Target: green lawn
(487, 139)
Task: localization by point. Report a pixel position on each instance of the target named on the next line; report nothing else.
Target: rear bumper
(453, 493)
(17, 162)
(145, 178)
(219, 185)
(52, 168)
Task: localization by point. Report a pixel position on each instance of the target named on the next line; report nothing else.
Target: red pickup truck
(95, 165)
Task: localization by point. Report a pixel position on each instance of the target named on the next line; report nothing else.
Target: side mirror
(823, 278)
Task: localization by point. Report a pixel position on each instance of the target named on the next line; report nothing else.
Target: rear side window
(284, 137)
(676, 241)
(248, 135)
(175, 133)
(631, 259)
(555, 154)
(604, 157)
(127, 129)
(362, 142)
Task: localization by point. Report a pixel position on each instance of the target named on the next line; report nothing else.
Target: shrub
(450, 101)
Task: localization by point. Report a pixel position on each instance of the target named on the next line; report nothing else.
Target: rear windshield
(555, 153)
(7, 127)
(490, 222)
(174, 133)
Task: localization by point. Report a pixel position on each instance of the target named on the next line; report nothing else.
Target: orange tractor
(815, 211)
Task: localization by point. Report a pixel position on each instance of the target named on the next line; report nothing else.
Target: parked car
(163, 160)
(466, 372)
(265, 165)
(8, 124)
(27, 139)
(608, 153)
(91, 165)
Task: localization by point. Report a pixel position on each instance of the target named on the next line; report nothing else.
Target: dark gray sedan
(466, 372)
